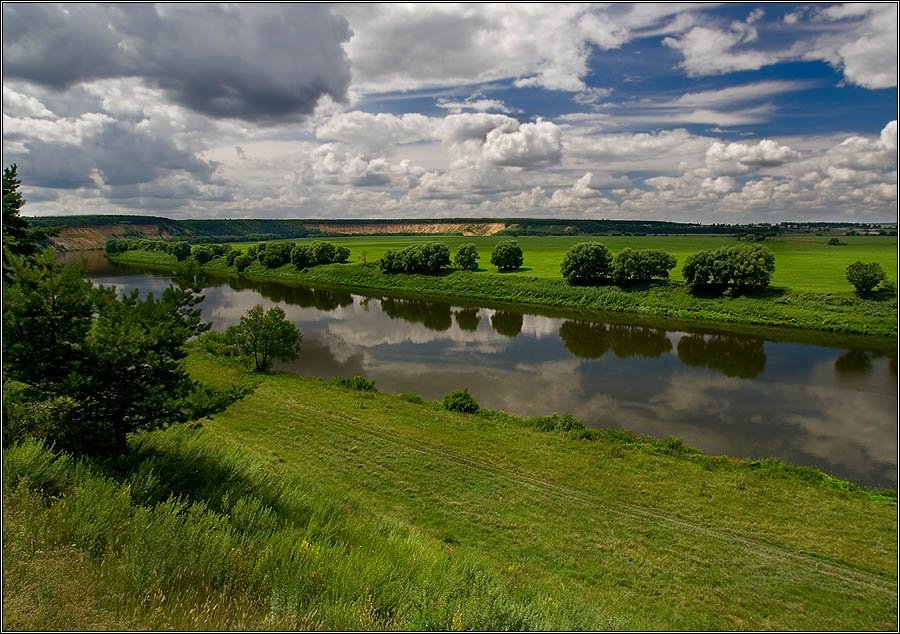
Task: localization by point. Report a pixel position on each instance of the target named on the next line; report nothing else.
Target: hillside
(312, 506)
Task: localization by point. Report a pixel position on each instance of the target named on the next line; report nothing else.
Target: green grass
(308, 505)
(842, 312)
(802, 263)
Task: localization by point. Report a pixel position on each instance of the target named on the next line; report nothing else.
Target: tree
(106, 366)
(733, 269)
(242, 261)
(181, 250)
(18, 239)
(507, 256)
(865, 276)
(466, 257)
(203, 253)
(642, 265)
(586, 263)
(461, 401)
(427, 258)
(265, 336)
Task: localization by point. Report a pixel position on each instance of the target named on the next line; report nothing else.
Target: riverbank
(310, 506)
(840, 313)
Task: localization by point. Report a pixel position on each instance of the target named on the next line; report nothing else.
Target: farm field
(803, 263)
(307, 505)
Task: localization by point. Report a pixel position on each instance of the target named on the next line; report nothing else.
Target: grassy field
(844, 313)
(803, 263)
(311, 506)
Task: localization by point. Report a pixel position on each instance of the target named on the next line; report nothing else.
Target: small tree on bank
(507, 256)
(466, 257)
(865, 276)
(586, 263)
(265, 336)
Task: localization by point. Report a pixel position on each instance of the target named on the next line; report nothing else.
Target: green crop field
(803, 263)
(311, 506)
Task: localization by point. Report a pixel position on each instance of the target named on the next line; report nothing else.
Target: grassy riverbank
(802, 263)
(306, 505)
(843, 312)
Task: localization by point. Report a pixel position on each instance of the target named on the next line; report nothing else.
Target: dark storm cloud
(260, 63)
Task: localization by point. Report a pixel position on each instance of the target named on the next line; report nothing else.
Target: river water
(830, 405)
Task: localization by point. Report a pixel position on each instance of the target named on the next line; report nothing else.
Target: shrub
(466, 257)
(358, 382)
(836, 242)
(428, 258)
(321, 252)
(301, 257)
(181, 250)
(507, 256)
(865, 276)
(734, 268)
(231, 256)
(242, 261)
(641, 265)
(275, 254)
(411, 397)
(202, 253)
(460, 401)
(341, 254)
(586, 263)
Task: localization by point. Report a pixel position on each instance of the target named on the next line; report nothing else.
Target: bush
(202, 253)
(427, 258)
(642, 265)
(507, 256)
(301, 256)
(466, 257)
(586, 263)
(181, 250)
(865, 276)
(341, 254)
(358, 382)
(242, 261)
(231, 256)
(411, 397)
(835, 242)
(460, 401)
(321, 252)
(275, 254)
(735, 269)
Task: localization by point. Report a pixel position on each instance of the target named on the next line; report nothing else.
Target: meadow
(311, 506)
(802, 263)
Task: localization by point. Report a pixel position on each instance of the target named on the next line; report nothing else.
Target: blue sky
(733, 112)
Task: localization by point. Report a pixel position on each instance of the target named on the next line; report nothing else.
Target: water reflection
(591, 340)
(432, 315)
(732, 355)
(467, 319)
(506, 323)
(725, 393)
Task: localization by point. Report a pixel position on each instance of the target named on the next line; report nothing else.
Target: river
(828, 405)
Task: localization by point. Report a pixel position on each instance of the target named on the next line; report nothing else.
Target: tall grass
(182, 535)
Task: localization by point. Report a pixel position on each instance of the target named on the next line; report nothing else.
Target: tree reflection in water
(733, 355)
(508, 324)
(432, 315)
(296, 295)
(467, 319)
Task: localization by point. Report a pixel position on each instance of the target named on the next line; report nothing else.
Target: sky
(713, 113)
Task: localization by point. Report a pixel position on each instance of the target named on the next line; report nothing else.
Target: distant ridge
(92, 231)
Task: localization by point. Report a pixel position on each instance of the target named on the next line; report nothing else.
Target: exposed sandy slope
(78, 238)
(364, 228)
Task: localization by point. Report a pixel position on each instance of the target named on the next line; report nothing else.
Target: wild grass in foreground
(315, 506)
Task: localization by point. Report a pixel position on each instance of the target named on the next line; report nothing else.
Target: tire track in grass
(630, 511)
